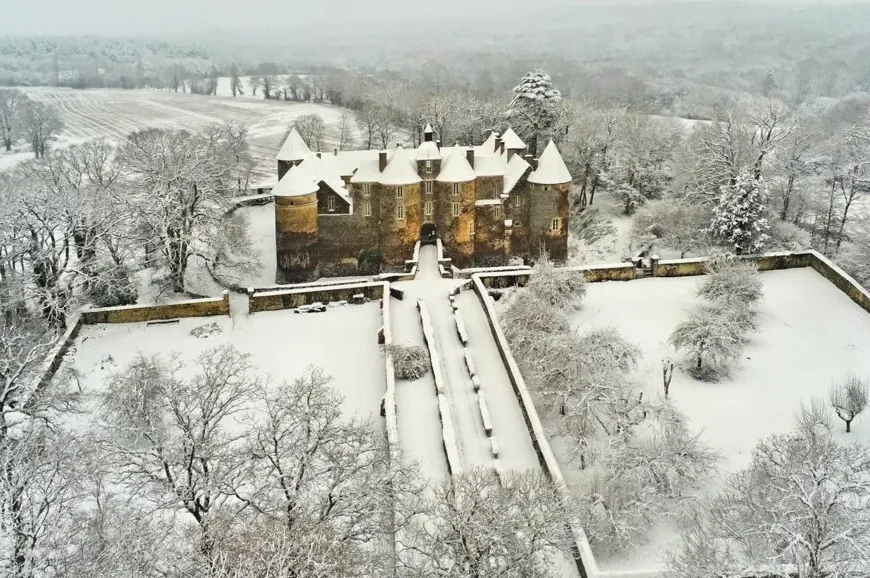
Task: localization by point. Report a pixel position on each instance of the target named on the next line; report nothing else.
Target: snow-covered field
(809, 335)
(343, 341)
(113, 114)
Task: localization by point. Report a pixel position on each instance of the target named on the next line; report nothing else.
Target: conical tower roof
(512, 141)
(551, 168)
(400, 170)
(296, 183)
(294, 148)
(456, 168)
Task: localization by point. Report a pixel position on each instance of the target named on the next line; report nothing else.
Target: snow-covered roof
(320, 171)
(551, 168)
(456, 168)
(428, 129)
(428, 151)
(296, 183)
(401, 170)
(515, 170)
(489, 165)
(489, 144)
(367, 172)
(512, 141)
(294, 148)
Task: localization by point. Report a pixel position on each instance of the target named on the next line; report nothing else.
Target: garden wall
(139, 313)
(841, 279)
(290, 299)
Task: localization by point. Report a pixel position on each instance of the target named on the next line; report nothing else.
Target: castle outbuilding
(360, 212)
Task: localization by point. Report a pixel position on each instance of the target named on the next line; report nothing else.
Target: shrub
(112, 288)
(410, 362)
(731, 280)
(559, 288)
(849, 399)
(677, 224)
(709, 335)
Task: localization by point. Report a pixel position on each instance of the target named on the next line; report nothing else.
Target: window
(456, 188)
(546, 188)
(367, 189)
(330, 204)
(428, 186)
(518, 202)
(472, 228)
(400, 212)
(427, 208)
(400, 192)
(456, 208)
(367, 209)
(556, 225)
(428, 167)
(498, 211)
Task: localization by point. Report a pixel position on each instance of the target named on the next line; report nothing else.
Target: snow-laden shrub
(731, 280)
(849, 398)
(813, 417)
(560, 288)
(590, 225)
(112, 287)
(740, 218)
(530, 324)
(676, 224)
(410, 362)
(785, 236)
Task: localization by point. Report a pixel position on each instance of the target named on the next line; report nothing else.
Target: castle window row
(400, 212)
(428, 186)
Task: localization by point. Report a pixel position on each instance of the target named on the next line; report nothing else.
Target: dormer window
(428, 167)
(330, 204)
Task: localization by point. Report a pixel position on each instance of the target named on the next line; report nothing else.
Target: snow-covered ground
(809, 335)
(343, 341)
(113, 114)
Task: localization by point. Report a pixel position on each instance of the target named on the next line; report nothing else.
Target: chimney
(438, 144)
(382, 161)
(498, 143)
(335, 151)
(511, 153)
(532, 161)
(427, 136)
(469, 154)
(318, 154)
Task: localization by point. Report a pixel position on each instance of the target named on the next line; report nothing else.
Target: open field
(343, 341)
(809, 335)
(113, 114)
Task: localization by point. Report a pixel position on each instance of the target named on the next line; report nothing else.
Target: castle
(361, 212)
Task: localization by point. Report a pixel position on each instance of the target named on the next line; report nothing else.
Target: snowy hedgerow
(849, 399)
(740, 217)
(799, 509)
(710, 335)
(560, 288)
(410, 362)
(731, 280)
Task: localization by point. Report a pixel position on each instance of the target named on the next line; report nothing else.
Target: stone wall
(547, 203)
(841, 279)
(139, 313)
(490, 247)
(290, 299)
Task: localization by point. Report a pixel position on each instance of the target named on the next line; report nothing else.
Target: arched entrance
(428, 234)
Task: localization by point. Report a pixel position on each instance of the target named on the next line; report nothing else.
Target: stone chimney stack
(382, 161)
(335, 151)
(438, 144)
(498, 143)
(469, 154)
(532, 161)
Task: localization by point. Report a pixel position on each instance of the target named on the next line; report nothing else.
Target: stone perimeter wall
(139, 313)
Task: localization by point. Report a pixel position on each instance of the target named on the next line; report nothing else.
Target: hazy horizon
(110, 17)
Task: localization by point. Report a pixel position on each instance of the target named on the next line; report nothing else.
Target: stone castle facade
(361, 212)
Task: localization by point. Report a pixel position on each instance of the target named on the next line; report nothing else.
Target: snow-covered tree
(40, 123)
(799, 509)
(479, 524)
(673, 223)
(849, 399)
(11, 104)
(740, 217)
(711, 336)
(560, 288)
(311, 128)
(731, 280)
(535, 110)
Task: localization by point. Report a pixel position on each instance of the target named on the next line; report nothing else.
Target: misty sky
(124, 17)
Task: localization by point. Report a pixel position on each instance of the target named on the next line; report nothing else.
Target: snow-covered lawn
(809, 335)
(343, 341)
(113, 114)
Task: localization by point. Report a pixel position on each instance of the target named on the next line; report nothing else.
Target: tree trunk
(699, 361)
(849, 426)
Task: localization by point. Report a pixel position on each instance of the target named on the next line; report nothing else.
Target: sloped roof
(428, 151)
(551, 168)
(296, 183)
(489, 165)
(294, 148)
(512, 141)
(400, 170)
(428, 129)
(317, 169)
(515, 170)
(489, 144)
(456, 168)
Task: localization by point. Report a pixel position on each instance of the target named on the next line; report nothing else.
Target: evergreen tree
(740, 218)
(536, 109)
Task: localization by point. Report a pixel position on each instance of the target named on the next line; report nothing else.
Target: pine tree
(536, 109)
(740, 218)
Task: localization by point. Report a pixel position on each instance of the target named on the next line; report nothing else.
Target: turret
(292, 153)
(550, 191)
(296, 230)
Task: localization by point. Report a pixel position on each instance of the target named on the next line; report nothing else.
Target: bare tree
(799, 509)
(40, 124)
(268, 72)
(849, 399)
(667, 376)
(254, 83)
(236, 81)
(709, 335)
(476, 525)
(311, 128)
(11, 104)
(346, 132)
(168, 431)
(678, 225)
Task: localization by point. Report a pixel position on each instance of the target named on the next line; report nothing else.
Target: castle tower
(454, 205)
(400, 207)
(549, 199)
(428, 156)
(292, 153)
(296, 229)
